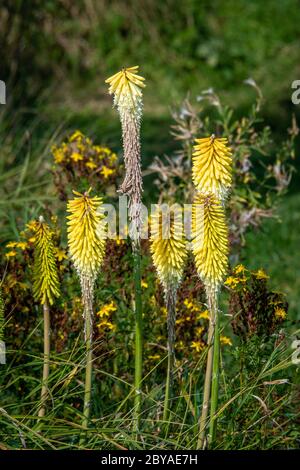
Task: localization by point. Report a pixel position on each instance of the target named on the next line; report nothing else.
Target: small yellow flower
(106, 324)
(58, 155)
(203, 315)
(11, 244)
(106, 310)
(113, 158)
(225, 340)
(239, 269)
(197, 346)
(164, 311)
(260, 274)
(106, 172)
(76, 157)
(154, 357)
(91, 165)
(280, 313)
(231, 282)
(60, 254)
(144, 284)
(11, 254)
(199, 330)
(22, 245)
(77, 135)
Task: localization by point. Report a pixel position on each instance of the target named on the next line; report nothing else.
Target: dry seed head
(168, 248)
(212, 166)
(86, 233)
(210, 240)
(45, 273)
(126, 86)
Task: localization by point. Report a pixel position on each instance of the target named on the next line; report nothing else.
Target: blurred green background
(56, 54)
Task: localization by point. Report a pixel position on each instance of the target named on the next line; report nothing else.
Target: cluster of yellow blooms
(241, 275)
(79, 150)
(104, 315)
(212, 178)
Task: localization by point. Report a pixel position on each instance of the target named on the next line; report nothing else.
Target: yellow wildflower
(199, 330)
(77, 135)
(60, 254)
(280, 313)
(76, 157)
(106, 324)
(22, 245)
(225, 340)
(11, 244)
(204, 315)
(239, 269)
(154, 357)
(231, 282)
(10, 254)
(106, 172)
(106, 310)
(260, 274)
(197, 346)
(144, 284)
(91, 165)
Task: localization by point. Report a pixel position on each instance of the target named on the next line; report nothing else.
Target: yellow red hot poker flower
(212, 164)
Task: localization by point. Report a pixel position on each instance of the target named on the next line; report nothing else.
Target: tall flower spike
(126, 86)
(210, 240)
(86, 239)
(168, 248)
(212, 164)
(45, 273)
(86, 235)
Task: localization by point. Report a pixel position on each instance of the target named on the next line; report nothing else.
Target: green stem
(168, 387)
(215, 381)
(138, 336)
(211, 296)
(44, 392)
(87, 294)
(170, 296)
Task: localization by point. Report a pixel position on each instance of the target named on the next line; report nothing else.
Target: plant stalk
(208, 374)
(138, 335)
(44, 392)
(87, 291)
(170, 296)
(215, 381)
